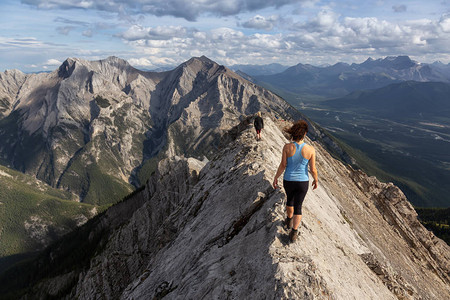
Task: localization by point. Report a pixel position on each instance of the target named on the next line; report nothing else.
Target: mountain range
(304, 82)
(91, 125)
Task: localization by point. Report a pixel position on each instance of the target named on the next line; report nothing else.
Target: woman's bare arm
(281, 167)
(313, 169)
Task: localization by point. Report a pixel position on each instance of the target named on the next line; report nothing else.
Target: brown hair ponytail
(298, 130)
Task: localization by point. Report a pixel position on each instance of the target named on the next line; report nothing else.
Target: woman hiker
(259, 124)
(294, 162)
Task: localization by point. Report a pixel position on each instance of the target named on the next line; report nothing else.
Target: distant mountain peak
(403, 62)
(204, 64)
(73, 60)
(112, 62)
(112, 57)
(13, 72)
(399, 58)
(67, 67)
(340, 64)
(439, 63)
(115, 60)
(202, 60)
(391, 62)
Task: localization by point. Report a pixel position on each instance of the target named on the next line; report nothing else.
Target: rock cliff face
(10, 83)
(213, 230)
(90, 126)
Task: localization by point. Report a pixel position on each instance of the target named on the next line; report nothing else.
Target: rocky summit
(213, 230)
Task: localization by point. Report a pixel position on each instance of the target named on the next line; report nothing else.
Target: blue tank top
(297, 166)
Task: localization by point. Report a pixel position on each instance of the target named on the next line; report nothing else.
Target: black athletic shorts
(295, 194)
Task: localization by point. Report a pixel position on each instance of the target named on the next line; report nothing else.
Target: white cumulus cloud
(151, 62)
(444, 23)
(308, 31)
(53, 62)
(140, 62)
(260, 22)
(137, 32)
(326, 37)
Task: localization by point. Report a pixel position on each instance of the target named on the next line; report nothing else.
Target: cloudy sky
(38, 35)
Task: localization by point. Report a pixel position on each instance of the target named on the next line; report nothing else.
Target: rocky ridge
(215, 230)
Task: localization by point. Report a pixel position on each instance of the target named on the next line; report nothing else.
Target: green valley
(33, 214)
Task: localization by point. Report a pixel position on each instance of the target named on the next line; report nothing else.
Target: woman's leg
(300, 194)
(297, 220)
(287, 185)
(289, 211)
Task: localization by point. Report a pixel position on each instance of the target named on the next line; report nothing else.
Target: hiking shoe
(288, 223)
(293, 235)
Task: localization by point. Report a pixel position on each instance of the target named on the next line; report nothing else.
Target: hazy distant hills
(254, 70)
(311, 82)
(423, 101)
